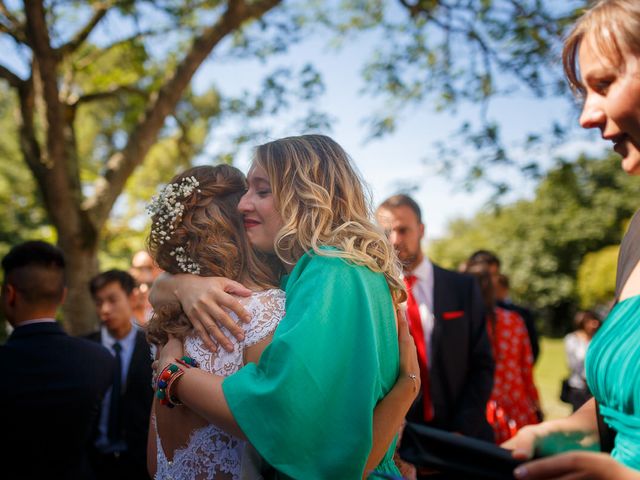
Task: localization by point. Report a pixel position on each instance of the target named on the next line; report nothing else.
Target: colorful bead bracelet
(167, 378)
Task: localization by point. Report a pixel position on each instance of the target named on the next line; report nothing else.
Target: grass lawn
(549, 371)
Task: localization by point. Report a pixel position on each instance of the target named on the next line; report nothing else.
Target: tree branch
(16, 33)
(14, 80)
(100, 10)
(15, 28)
(121, 165)
(8, 15)
(56, 182)
(107, 94)
(91, 57)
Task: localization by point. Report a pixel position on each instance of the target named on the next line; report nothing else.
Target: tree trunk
(78, 311)
(54, 163)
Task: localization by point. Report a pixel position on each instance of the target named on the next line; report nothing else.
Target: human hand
(409, 366)
(576, 466)
(549, 438)
(204, 300)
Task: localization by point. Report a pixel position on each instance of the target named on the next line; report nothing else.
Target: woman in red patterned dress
(514, 400)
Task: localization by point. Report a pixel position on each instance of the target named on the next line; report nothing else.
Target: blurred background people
(501, 288)
(52, 384)
(448, 326)
(445, 313)
(514, 400)
(574, 389)
(144, 270)
(120, 438)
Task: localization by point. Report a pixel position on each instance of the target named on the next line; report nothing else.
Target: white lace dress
(211, 453)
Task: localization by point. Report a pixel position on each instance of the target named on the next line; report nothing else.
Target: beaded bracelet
(168, 375)
(187, 362)
(167, 378)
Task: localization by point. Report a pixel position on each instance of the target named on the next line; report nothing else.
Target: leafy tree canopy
(441, 54)
(579, 207)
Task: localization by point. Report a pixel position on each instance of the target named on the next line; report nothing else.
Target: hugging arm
(389, 414)
(387, 419)
(204, 300)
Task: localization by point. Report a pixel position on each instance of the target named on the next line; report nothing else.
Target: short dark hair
(124, 279)
(37, 270)
(402, 200)
(484, 256)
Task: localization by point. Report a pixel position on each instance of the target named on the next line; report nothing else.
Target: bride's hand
(204, 300)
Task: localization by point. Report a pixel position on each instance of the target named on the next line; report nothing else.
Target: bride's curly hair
(323, 202)
(199, 230)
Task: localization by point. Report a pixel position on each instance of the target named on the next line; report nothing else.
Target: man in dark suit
(503, 299)
(120, 440)
(52, 384)
(446, 318)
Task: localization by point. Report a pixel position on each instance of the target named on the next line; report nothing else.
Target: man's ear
(421, 231)
(10, 294)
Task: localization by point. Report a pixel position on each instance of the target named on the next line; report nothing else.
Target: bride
(196, 229)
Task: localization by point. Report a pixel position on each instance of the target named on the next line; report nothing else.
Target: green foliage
(22, 216)
(578, 208)
(597, 277)
(444, 53)
(113, 77)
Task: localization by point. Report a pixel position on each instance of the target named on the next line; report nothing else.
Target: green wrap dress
(613, 374)
(307, 407)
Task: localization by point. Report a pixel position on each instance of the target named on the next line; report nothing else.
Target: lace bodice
(210, 452)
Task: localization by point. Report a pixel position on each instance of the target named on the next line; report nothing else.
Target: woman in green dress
(602, 61)
(307, 406)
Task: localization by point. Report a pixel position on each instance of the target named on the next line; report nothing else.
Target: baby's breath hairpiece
(167, 208)
(185, 262)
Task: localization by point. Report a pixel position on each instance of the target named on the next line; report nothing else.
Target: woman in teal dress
(602, 61)
(308, 405)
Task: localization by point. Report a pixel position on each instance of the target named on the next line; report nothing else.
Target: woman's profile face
(612, 102)
(261, 220)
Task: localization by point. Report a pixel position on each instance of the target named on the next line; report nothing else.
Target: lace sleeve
(266, 309)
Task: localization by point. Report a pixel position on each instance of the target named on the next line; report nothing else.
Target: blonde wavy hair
(612, 28)
(211, 234)
(322, 201)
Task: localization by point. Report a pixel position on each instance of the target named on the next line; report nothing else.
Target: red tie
(415, 327)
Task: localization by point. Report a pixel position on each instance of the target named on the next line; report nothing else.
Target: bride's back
(188, 447)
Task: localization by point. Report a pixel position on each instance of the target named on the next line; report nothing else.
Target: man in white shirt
(446, 317)
(121, 434)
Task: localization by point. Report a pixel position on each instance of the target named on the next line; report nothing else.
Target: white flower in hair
(168, 208)
(186, 264)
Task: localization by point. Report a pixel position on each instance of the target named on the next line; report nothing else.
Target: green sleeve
(307, 407)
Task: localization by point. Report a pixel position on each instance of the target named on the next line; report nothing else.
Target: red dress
(514, 400)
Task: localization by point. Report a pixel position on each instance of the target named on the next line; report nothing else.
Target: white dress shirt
(423, 293)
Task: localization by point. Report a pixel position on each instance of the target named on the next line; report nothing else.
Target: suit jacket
(50, 393)
(137, 398)
(461, 361)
